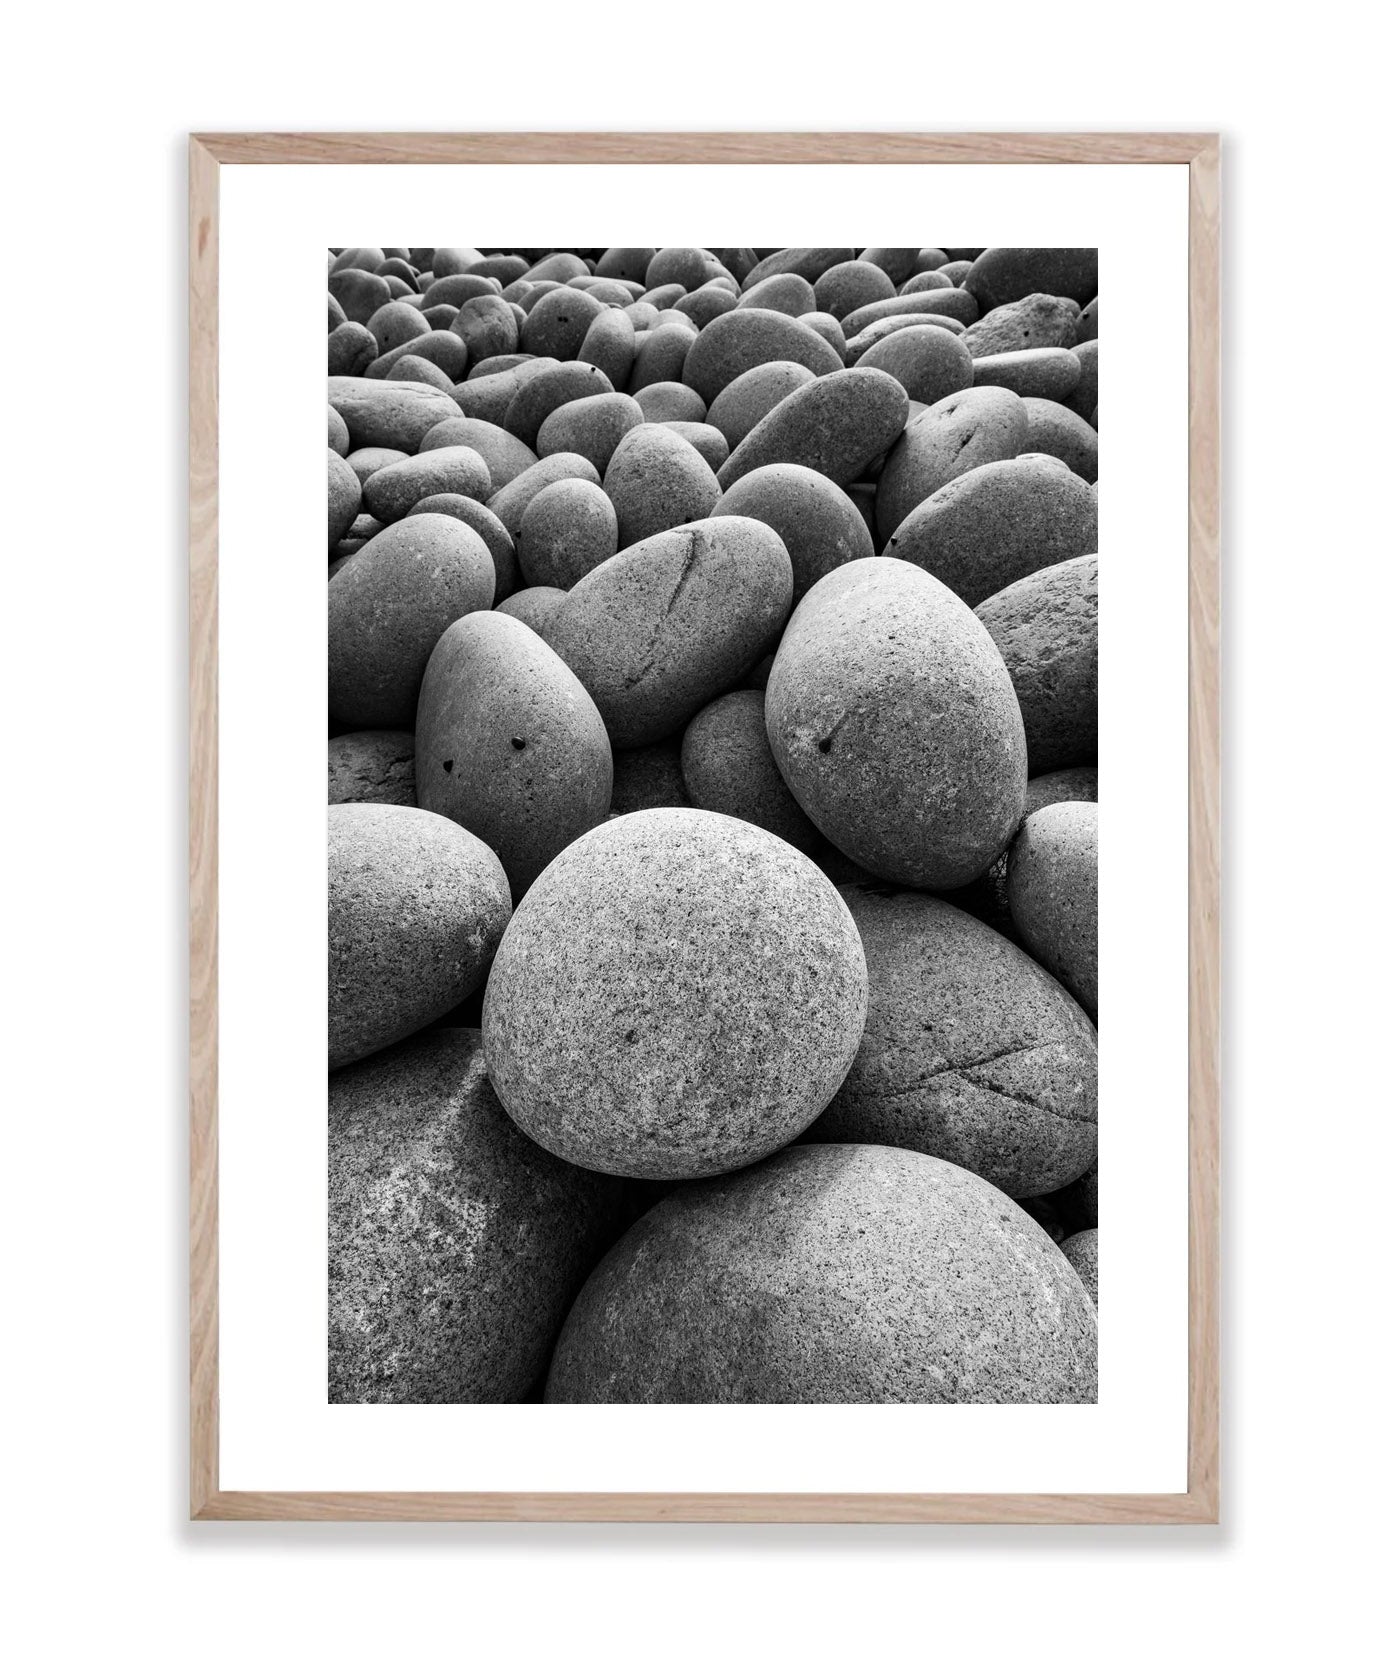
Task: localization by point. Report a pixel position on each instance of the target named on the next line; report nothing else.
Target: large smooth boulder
(894, 722)
(455, 1245)
(832, 1274)
(415, 907)
(671, 622)
(971, 1051)
(678, 995)
(509, 744)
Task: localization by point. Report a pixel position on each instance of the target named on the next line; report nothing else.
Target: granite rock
(894, 723)
(455, 1245)
(678, 995)
(971, 1051)
(370, 767)
(415, 908)
(836, 1274)
(1052, 884)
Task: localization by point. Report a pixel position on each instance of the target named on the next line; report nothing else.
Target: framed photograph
(662, 1080)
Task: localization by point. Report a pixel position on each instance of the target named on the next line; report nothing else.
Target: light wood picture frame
(1200, 153)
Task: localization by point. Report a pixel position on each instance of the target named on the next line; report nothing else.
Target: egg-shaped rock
(743, 403)
(728, 767)
(832, 1274)
(343, 495)
(590, 426)
(567, 530)
(747, 338)
(509, 745)
(894, 722)
(1046, 627)
(388, 413)
(1057, 430)
(952, 437)
(998, 523)
(393, 491)
(971, 1051)
(1002, 274)
(1052, 886)
(415, 908)
(835, 426)
(389, 605)
(1082, 1252)
(927, 361)
(820, 525)
(670, 622)
(656, 480)
(680, 994)
(455, 1245)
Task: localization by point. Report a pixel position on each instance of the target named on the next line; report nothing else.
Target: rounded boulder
(415, 908)
(894, 722)
(509, 745)
(971, 1051)
(678, 995)
(672, 621)
(832, 1274)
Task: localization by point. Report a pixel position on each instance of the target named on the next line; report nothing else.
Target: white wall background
(106, 1570)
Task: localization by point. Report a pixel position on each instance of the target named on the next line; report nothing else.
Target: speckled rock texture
(810, 261)
(1084, 398)
(880, 330)
(678, 995)
(388, 607)
(708, 441)
(342, 497)
(505, 456)
(455, 1244)
(1057, 430)
(835, 1274)
(946, 300)
(370, 767)
(747, 338)
(1046, 628)
(1004, 274)
(850, 285)
(537, 398)
(535, 607)
(415, 908)
(509, 744)
(894, 723)
(337, 432)
(835, 425)
(1035, 323)
(509, 504)
(927, 361)
(647, 777)
(1030, 373)
(728, 767)
(819, 524)
(1082, 1252)
(363, 462)
(567, 530)
(655, 481)
(951, 438)
(743, 403)
(388, 413)
(487, 527)
(971, 1051)
(392, 492)
(669, 623)
(591, 426)
(986, 897)
(998, 523)
(1052, 884)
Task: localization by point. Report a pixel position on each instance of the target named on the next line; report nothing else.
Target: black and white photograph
(712, 883)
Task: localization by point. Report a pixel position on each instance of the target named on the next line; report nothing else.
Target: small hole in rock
(825, 745)
(447, 764)
(517, 743)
